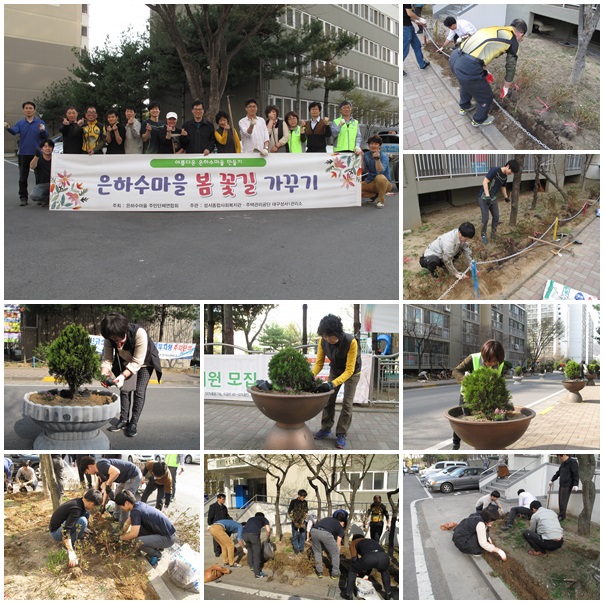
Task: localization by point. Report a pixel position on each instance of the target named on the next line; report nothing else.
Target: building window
(84, 9)
(84, 31)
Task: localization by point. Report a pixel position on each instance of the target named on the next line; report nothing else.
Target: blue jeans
(410, 39)
(298, 538)
(77, 531)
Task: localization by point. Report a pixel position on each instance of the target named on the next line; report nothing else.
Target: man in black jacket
(568, 472)
(218, 511)
(197, 135)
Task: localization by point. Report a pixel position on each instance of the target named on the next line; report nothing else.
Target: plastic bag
(267, 551)
(185, 568)
(365, 590)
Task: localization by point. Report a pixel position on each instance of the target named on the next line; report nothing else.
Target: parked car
(193, 458)
(144, 457)
(461, 478)
(414, 469)
(425, 480)
(17, 458)
(58, 141)
(441, 465)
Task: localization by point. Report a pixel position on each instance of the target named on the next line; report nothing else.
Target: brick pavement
(581, 271)
(231, 426)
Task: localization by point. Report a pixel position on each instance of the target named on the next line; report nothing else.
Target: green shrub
(485, 392)
(572, 371)
(41, 351)
(518, 371)
(72, 359)
(289, 370)
(507, 365)
(594, 367)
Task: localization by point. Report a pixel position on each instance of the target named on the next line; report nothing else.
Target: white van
(439, 466)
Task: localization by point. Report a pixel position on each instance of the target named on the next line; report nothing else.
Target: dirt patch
(58, 398)
(499, 279)
(565, 574)
(35, 566)
(559, 115)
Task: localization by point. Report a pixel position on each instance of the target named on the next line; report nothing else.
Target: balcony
(420, 330)
(470, 315)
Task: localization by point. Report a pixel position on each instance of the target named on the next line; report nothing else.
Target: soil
(571, 119)
(105, 572)
(497, 280)
(565, 574)
(85, 398)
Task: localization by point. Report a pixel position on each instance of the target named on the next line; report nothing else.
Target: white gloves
(575, 489)
(358, 150)
(502, 554)
(73, 559)
(264, 152)
(422, 21)
(244, 550)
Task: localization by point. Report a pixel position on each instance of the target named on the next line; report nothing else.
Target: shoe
(487, 122)
(131, 429)
(476, 555)
(321, 434)
(372, 199)
(404, 72)
(235, 565)
(506, 527)
(340, 441)
(536, 553)
(388, 596)
(335, 577)
(426, 64)
(260, 575)
(561, 518)
(152, 560)
(121, 424)
(484, 239)
(23, 201)
(380, 204)
(465, 111)
(455, 447)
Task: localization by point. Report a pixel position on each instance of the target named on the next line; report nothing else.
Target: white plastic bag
(365, 590)
(185, 568)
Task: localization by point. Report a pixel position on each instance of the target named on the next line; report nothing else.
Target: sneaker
(131, 429)
(380, 204)
(121, 424)
(476, 555)
(23, 201)
(319, 575)
(340, 441)
(335, 577)
(466, 111)
(260, 575)
(487, 122)
(484, 239)
(404, 72)
(455, 447)
(321, 434)
(152, 560)
(235, 565)
(426, 64)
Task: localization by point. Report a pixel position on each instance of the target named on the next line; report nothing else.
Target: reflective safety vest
(294, 143)
(347, 136)
(488, 43)
(172, 460)
(477, 364)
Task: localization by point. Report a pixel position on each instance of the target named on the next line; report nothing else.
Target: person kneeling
(447, 248)
(471, 535)
(545, 532)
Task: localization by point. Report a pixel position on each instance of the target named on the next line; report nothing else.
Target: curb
(498, 587)
(158, 585)
(368, 408)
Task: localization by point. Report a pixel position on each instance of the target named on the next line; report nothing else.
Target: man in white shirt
(459, 29)
(545, 532)
(253, 131)
(26, 477)
(523, 508)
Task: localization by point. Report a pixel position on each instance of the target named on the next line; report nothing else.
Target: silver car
(461, 478)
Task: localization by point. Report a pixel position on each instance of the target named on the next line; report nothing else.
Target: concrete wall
(412, 218)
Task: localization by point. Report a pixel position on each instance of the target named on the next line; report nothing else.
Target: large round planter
(489, 435)
(573, 389)
(289, 412)
(517, 379)
(590, 377)
(71, 427)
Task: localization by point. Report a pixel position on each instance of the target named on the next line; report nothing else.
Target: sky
(105, 21)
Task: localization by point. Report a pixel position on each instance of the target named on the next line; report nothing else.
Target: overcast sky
(106, 20)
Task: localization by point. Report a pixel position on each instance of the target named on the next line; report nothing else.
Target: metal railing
(411, 359)
(388, 385)
(235, 347)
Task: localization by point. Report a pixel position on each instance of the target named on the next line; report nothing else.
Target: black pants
(540, 544)
(375, 530)
(24, 161)
(431, 263)
(173, 471)
(252, 541)
(472, 83)
(142, 380)
(362, 566)
(159, 500)
(518, 511)
(456, 439)
(563, 497)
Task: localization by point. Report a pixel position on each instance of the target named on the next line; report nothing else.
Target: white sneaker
(380, 204)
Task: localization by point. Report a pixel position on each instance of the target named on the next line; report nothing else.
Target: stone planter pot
(573, 389)
(517, 379)
(590, 377)
(289, 412)
(488, 435)
(70, 427)
(542, 376)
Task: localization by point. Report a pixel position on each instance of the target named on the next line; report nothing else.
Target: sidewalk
(234, 425)
(581, 271)
(431, 114)
(560, 425)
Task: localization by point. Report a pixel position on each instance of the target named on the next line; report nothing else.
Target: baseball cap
(171, 114)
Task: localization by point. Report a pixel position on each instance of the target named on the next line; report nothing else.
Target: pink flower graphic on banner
(74, 197)
(346, 167)
(64, 179)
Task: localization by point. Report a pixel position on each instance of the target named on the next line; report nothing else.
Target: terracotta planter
(517, 379)
(289, 412)
(71, 427)
(573, 389)
(488, 435)
(590, 377)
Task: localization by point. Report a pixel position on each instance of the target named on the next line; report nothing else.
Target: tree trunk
(357, 321)
(210, 330)
(50, 480)
(556, 185)
(537, 185)
(589, 15)
(392, 534)
(228, 331)
(278, 529)
(317, 495)
(305, 325)
(587, 469)
(516, 191)
(587, 159)
(162, 321)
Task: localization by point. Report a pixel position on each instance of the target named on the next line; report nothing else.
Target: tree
(589, 17)
(587, 470)
(371, 109)
(394, 508)
(541, 334)
(246, 316)
(276, 337)
(516, 190)
(423, 335)
(324, 73)
(597, 336)
(326, 474)
(228, 329)
(49, 480)
(222, 31)
(537, 185)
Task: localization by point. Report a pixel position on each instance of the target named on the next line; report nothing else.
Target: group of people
(450, 246)
(198, 135)
(326, 535)
(474, 50)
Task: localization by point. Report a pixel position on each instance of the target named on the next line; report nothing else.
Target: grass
(56, 560)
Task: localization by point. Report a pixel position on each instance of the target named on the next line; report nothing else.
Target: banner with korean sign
(168, 351)
(228, 376)
(152, 183)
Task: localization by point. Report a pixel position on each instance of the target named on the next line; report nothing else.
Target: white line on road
(253, 592)
(424, 587)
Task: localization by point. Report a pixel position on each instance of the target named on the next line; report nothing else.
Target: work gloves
(264, 385)
(325, 387)
(504, 92)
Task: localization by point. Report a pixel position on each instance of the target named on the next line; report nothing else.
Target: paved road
(216, 592)
(423, 408)
(344, 253)
(171, 418)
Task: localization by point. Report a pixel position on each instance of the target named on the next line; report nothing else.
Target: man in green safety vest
(491, 355)
(174, 461)
(346, 132)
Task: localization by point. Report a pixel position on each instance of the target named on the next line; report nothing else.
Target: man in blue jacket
(32, 133)
(377, 183)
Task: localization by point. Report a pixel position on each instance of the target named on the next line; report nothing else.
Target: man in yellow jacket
(469, 61)
(344, 356)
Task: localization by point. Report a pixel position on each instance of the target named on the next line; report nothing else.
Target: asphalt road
(170, 419)
(343, 253)
(215, 592)
(424, 425)
(412, 490)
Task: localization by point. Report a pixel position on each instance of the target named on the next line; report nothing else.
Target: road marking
(546, 410)
(254, 592)
(544, 399)
(424, 587)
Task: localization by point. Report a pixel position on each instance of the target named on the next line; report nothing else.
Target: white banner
(168, 351)
(557, 291)
(380, 318)
(151, 183)
(228, 376)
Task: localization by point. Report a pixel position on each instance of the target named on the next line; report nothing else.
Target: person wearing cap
(197, 135)
(169, 136)
(346, 132)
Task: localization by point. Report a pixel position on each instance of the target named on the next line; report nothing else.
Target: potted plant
(493, 421)
(592, 374)
(71, 417)
(518, 375)
(290, 398)
(573, 382)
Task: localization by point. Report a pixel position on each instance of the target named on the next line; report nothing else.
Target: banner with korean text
(169, 351)
(151, 183)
